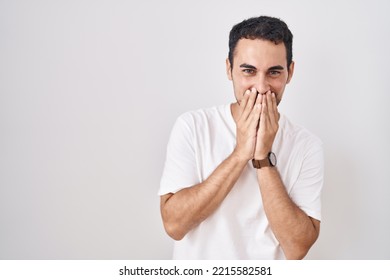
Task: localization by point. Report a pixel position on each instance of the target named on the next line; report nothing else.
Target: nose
(262, 84)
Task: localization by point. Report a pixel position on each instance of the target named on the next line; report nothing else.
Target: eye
(249, 71)
(274, 73)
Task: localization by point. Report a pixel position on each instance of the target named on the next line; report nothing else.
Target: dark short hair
(263, 27)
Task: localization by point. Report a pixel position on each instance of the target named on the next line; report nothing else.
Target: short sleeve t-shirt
(238, 229)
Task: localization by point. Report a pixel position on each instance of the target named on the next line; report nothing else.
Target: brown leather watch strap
(260, 163)
(270, 160)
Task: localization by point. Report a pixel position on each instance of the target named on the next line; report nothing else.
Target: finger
(275, 102)
(242, 103)
(250, 103)
(274, 117)
(244, 99)
(255, 119)
(271, 108)
(259, 99)
(264, 118)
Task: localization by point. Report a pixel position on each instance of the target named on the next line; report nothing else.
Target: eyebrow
(248, 66)
(244, 65)
(277, 67)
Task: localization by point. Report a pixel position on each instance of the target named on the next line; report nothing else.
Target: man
(241, 181)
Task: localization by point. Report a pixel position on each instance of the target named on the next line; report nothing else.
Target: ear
(228, 69)
(290, 71)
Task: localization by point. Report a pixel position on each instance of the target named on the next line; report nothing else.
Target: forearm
(190, 206)
(292, 227)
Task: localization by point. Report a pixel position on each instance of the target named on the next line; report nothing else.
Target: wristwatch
(270, 160)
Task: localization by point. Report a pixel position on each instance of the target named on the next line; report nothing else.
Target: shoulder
(299, 135)
(210, 114)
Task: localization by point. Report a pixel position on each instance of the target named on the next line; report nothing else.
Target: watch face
(272, 158)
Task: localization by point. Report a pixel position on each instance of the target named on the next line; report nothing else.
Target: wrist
(267, 161)
(239, 157)
(261, 154)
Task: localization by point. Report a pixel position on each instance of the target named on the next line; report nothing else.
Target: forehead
(260, 53)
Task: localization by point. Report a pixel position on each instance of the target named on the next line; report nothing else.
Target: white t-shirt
(238, 229)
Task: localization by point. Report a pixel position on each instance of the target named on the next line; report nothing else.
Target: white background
(89, 91)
